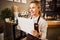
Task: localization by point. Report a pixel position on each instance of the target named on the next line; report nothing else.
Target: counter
(53, 23)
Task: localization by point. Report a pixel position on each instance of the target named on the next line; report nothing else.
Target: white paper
(26, 25)
(24, 1)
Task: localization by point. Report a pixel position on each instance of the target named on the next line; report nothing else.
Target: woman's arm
(43, 30)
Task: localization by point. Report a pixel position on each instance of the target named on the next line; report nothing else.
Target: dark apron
(36, 26)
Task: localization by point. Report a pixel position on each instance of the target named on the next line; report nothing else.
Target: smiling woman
(40, 25)
(35, 8)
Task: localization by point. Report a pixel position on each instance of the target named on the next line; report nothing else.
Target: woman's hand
(35, 33)
(18, 27)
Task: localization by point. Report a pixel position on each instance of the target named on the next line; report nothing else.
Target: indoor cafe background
(50, 10)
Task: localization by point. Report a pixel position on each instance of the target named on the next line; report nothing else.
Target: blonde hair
(39, 6)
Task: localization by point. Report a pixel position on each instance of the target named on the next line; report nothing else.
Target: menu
(26, 24)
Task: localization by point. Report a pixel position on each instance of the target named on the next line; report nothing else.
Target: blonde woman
(35, 11)
(41, 29)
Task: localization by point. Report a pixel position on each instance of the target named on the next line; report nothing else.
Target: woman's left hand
(18, 27)
(35, 33)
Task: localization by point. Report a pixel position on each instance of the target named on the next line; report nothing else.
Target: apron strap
(38, 19)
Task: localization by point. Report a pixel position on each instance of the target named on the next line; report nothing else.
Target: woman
(35, 11)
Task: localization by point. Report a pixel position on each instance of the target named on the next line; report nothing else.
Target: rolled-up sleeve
(43, 29)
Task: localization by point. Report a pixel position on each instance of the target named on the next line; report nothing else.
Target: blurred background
(19, 8)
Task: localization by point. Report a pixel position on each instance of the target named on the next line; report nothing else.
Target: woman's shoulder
(43, 22)
(42, 19)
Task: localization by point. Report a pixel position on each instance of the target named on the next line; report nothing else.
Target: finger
(18, 27)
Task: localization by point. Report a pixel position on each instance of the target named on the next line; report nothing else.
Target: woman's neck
(35, 15)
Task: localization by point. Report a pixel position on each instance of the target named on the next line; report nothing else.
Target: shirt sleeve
(43, 29)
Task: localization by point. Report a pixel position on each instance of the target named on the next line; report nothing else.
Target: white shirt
(42, 27)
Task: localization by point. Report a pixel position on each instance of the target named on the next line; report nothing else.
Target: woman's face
(34, 10)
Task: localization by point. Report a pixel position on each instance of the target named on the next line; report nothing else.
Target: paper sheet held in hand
(26, 24)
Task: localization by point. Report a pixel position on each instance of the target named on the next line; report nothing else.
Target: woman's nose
(31, 10)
